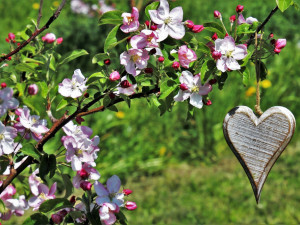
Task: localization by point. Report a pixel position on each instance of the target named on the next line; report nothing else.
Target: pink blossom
(8, 192)
(59, 40)
(217, 14)
(73, 88)
(11, 36)
(176, 65)
(125, 87)
(7, 135)
(197, 28)
(130, 205)
(105, 8)
(7, 101)
(78, 6)
(110, 193)
(147, 38)
(249, 20)
(33, 89)
(190, 24)
(230, 54)
(280, 43)
(127, 192)
(16, 206)
(239, 8)
(232, 18)
(86, 185)
(130, 21)
(114, 76)
(134, 60)
(169, 23)
(192, 89)
(49, 38)
(87, 172)
(107, 213)
(186, 56)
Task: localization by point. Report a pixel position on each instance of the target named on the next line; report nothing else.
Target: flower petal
(196, 100)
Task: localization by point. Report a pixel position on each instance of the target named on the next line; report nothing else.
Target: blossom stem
(40, 15)
(223, 25)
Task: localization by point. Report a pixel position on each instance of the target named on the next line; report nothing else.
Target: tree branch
(40, 14)
(36, 33)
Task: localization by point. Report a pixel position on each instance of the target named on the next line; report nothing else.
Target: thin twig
(40, 15)
(36, 33)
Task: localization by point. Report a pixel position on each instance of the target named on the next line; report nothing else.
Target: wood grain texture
(258, 142)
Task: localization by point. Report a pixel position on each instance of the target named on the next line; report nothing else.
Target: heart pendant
(258, 142)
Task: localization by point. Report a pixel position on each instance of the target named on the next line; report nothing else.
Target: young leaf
(111, 17)
(44, 167)
(94, 77)
(37, 219)
(68, 185)
(29, 149)
(99, 58)
(167, 88)
(111, 38)
(54, 204)
(52, 165)
(71, 56)
(62, 104)
(221, 80)
(284, 4)
(26, 67)
(151, 6)
(246, 75)
(216, 28)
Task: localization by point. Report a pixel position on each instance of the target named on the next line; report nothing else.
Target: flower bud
(130, 205)
(62, 213)
(86, 186)
(79, 119)
(86, 95)
(189, 24)
(33, 89)
(215, 36)
(128, 39)
(277, 50)
(73, 199)
(3, 85)
(83, 174)
(198, 28)
(226, 35)
(217, 14)
(114, 76)
(153, 27)
(183, 87)
(271, 35)
(239, 8)
(7, 40)
(147, 22)
(107, 62)
(212, 81)
(11, 36)
(9, 58)
(59, 40)
(18, 44)
(148, 70)
(49, 38)
(208, 102)
(176, 65)
(125, 84)
(57, 219)
(280, 43)
(216, 55)
(232, 18)
(161, 59)
(127, 192)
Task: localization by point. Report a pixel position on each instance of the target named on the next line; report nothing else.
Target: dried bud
(212, 81)
(86, 95)
(153, 27)
(216, 55)
(176, 65)
(161, 59)
(215, 36)
(217, 14)
(33, 89)
(111, 95)
(114, 76)
(183, 87)
(189, 24)
(198, 28)
(86, 186)
(107, 62)
(79, 119)
(125, 84)
(148, 70)
(3, 85)
(73, 199)
(62, 213)
(239, 8)
(130, 205)
(232, 18)
(127, 192)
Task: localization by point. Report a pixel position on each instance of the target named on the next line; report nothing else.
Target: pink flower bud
(217, 14)
(183, 87)
(127, 192)
(18, 44)
(198, 28)
(161, 59)
(271, 35)
(83, 174)
(7, 40)
(49, 38)
(79, 119)
(86, 186)
(59, 40)
(208, 102)
(125, 84)
(107, 62)
(11, 36)
(147, 22)
(18, 119)
(189, 24)
(216, 55)
(130, 205)
(148, 70)
(226, 35)
(277, 50)
(239, 8)
(73, 199)
(153, 27)
(57, 219)
(232, 18)
(9, 58)
(176, 65)
(215, 36)
(280, 43)
(114, 76)
(3, 85)
(212, 81)
(33, 89)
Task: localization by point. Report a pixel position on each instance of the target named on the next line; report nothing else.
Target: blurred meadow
(183, 172)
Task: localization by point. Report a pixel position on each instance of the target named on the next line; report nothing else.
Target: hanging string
(257, 70)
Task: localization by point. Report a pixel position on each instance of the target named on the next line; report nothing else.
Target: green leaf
(44, 168)
(246, 75)
(126, 99)
(216, 28)
(221, 80)
(62, 104)
(263, 71)
(68, 185)
(247, 28)
(4, 162)
(94, 77)
(21, 88)
(111, 40)
(75, 214)
(131, 79)
(167, 88)
(111, 17)
(29, 149)
(121, 218)
(113, 108)
(37, 219)
(71, 56)
(284, 4)
(44, 89)
(54, 204)
(106, 100)
(25, 67)
(29, 60)
(203, 48)
(152, 6)
(52, 165)
(99, 58)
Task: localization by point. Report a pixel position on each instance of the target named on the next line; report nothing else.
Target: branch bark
(36, 33)
(40, 14)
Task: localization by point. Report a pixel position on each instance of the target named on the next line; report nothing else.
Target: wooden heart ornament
(258, 142)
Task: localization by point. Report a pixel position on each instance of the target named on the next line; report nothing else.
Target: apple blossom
(86, 185)
(49, 38)
(7, 101)
(11, 36)
(87, 172)
(7, 135)
(114, 76)
(130, 21)
(79, 7)
(134, 60)
(107, 213)
(190, 24)
(169, 23)
(186, 56)
(130, 205)
(16, 206)
(147, 38)
(217, 14)
(239, 8)
(73, 88)
(104, 7)
(176, 65)
(249, 20)
(110, 193)
(197, 28)
(127, 192)
(125, 87)
(192, 88)
(230, 54)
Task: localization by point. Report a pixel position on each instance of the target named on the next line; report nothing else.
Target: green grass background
(182, 172)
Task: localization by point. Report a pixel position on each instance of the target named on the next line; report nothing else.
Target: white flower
(73, 88)
(169, 23)
(230, 54)
(7, 101)
(7, 135)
